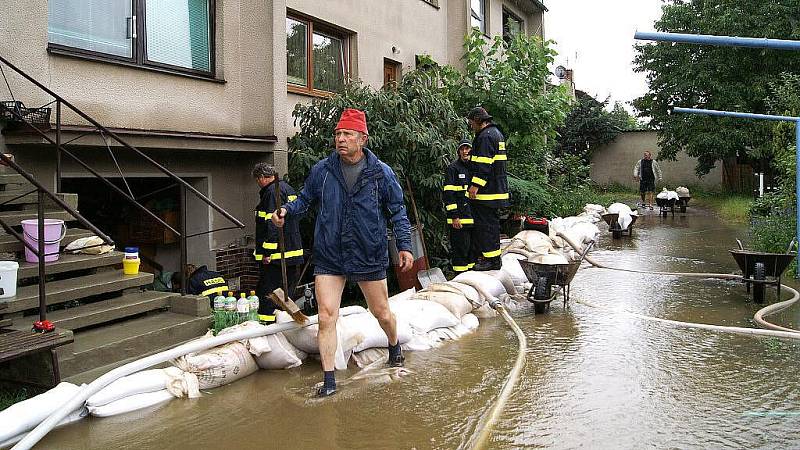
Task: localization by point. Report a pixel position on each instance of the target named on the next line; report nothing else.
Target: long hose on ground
(773, 331)
(483, 430)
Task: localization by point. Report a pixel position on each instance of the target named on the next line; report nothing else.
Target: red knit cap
(353, 119)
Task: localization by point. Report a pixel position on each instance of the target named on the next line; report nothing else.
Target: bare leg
(641, 194)
(650, 198)
(377, 295)
(328, 289)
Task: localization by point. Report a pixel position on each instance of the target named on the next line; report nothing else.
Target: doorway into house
(391, 72)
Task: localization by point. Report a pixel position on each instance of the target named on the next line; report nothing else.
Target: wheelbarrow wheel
(542, 290)
(540, 307)
(759, 274)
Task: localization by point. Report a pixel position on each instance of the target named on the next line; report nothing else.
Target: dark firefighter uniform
(488, 167)
(456, 204)
(267, 246)
(206, 282)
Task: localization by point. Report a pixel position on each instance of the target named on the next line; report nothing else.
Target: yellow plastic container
(130, 266)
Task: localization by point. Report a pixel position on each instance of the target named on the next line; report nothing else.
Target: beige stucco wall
(614, 163)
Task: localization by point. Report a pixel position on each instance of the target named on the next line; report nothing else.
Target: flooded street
(595, 377)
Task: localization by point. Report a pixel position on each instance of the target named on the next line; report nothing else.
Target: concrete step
(61, 291)
(21, 197)
(14, 218)
(130, 339)
(10, 244)
(109, 310)
(12, 178)
(69, 263)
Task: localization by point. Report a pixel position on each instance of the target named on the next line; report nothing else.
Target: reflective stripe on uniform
(259, 257)
(501, 145)
(491, 196)
(492, 254)
(463, 221)
(451, 207)
(501, 157)
(215, 290)
(481, 159)
(290, 254)
(292, 198)
(264, 215)
(270, 245)
(460, 268)
(471, 265)
(266, 318)
(453, 187)
(479, 181)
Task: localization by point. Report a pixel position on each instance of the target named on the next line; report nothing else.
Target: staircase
(112, 316)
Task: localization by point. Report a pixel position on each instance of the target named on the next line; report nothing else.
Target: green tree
(723, 78)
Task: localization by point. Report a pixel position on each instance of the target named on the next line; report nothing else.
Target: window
(172, 34)
(512, 25)
(316, 57)
(478, 20)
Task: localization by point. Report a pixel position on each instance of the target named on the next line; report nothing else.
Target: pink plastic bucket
(54, 232)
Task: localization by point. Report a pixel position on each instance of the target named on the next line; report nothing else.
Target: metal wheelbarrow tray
(544, 276)
(762, 268)
(612, 220)
(666, 205)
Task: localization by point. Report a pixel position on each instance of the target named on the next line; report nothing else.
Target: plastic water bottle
(230, 310)
(253, 299)
(219, 313)
(242, 308)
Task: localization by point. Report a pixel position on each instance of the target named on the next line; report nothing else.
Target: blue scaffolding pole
(733, 41)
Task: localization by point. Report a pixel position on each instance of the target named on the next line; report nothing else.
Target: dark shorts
(352, 277)
(647, 185)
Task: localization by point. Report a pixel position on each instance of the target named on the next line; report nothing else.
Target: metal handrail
(182, 184)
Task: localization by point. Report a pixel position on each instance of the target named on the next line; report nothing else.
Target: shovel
(427, 276)
(281, 296)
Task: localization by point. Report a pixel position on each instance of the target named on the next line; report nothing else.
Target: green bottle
(254, 303)
(230, 310)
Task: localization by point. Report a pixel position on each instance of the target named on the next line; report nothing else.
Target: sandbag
(281, 354)
(363, 358)
(71, 418)
(91, 245)
(513, 269)
(470, 321)
(456, 303)
(374, 336)
(504, 279)
(534, 241)
(218, 366)
(549, 259)
(132, 403)
(682, 191)
(256, 345)
(469, 292)
(24, 416)
(405, 295)
(306, 339)
(419, 343)
(484, 312)
(482, 282)
(172, 378)
(624, 212)
(423, 315)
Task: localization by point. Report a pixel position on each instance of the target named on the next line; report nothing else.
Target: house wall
(613, 164)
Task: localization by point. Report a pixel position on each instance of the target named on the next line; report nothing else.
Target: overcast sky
(595, 39)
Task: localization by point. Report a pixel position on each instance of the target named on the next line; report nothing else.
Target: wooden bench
(16, 344)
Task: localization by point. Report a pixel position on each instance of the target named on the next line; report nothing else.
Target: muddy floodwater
(594, 378)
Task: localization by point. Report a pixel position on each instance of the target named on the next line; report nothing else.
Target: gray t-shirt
(352, 171)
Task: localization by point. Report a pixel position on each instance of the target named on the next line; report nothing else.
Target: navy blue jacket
(350, 235)
(488, 165)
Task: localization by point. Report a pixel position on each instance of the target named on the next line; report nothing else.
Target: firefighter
(202, 281)
(488, 190)
(266, 251)
(459, 214)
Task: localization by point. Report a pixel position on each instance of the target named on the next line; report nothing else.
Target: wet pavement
(594, 378)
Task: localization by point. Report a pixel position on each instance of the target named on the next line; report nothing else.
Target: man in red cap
(355, 192)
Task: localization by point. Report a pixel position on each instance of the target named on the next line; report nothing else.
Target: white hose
(87, 391)
(483, 430)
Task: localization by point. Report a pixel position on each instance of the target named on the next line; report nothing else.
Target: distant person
(645, 172)
(459, 213)
(205, 282)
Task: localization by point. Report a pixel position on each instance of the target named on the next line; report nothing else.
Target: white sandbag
(682, 191)
(447, 334)
(513, 269)
(419, 343)
(482, 282)
(484, 312)
(374, 336)
(181, 383)
(550, 259)
(363, 358)
(469, 292)
(256, 345)
(624, 212)
(405, 295)
(534, 241)
(74, 416)
(24, 416)
(456, 303)
(281, 355)
(672, 195)
(132, 403)
(138, 383)
(504, 279)
(218, 366)
(91, 245)
(470, 321)
(306, 338)
(423, 315)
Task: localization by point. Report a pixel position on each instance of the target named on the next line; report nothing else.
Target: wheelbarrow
(612, 219)
(544, 276)
(666, 205)
(761, 269)
(683, 202)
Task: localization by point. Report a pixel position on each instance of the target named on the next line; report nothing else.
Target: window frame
(482, 18)
(515, 17)
(138, 56)
(329, 31)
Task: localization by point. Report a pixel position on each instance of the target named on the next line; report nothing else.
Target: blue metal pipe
(728, 41)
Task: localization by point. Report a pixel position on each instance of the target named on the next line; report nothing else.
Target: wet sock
(329, 380)
(394, 350)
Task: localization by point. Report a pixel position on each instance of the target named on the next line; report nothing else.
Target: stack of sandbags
(19, 418)
(370, 328)
(595, 212)
(126, 394)
(682, 191)
(510, 265)
(273, 351)
(218, 366)
(305, 339)
(131, 403)
(624, 212)
(530, 241)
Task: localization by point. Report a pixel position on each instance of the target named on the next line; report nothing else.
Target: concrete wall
(614, 163)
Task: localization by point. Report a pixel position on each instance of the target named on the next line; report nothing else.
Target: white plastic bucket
(8, 278)
(54, 232)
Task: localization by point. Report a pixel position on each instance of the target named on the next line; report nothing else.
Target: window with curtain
(512, 25)
(172, 34)
(320, 66)
(478, 8)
